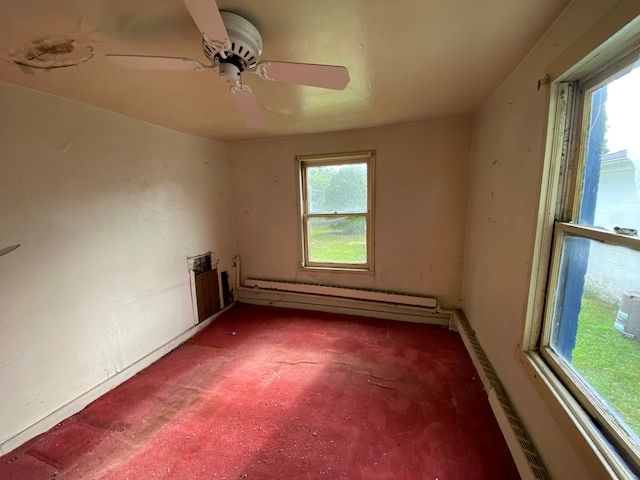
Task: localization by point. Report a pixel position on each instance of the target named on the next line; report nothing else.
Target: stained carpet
(268, 393)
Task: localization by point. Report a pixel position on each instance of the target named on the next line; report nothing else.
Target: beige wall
(420, 201)
(107, 209)
(505, 176)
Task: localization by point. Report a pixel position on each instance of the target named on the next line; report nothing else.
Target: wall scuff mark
(65, 148)
(5, 250)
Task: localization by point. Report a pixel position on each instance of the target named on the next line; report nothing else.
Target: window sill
(594, 450)
(360, 271)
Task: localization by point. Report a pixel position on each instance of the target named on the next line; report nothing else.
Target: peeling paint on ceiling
(51, 52)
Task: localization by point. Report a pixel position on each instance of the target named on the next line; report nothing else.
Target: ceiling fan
(233, 45)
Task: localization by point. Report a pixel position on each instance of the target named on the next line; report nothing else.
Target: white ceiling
(408, 60)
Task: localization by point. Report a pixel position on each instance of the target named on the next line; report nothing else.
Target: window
(589, 336)
(336, 218)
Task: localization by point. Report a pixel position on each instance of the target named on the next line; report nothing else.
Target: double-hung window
(336, 210)
(589, 336)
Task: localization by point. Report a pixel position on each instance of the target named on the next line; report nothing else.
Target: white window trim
(589, 442)
(367, 157)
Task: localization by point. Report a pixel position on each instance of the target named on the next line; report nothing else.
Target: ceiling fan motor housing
(246, 44)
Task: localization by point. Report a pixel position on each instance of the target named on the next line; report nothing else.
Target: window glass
(611, 180)
(337, 239)
(596, 324)
(337, 188)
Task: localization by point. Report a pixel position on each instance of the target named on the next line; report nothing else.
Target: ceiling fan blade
(207, 18)
(248, 105)
(324, 76)
(146, 62)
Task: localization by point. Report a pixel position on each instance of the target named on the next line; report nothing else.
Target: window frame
(569, 378)
(571, 402)
(349, 158)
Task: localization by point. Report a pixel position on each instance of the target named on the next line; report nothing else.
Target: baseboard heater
(345, 292)
(523, 451)
(360, 301)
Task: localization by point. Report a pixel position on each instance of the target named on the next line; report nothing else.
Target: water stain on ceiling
(51, 52)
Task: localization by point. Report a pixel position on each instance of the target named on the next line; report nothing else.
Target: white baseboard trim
(78, 403)
(324, 303)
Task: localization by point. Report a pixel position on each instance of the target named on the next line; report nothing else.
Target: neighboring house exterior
(612, 272)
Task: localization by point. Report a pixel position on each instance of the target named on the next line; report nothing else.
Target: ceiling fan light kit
(234, 45)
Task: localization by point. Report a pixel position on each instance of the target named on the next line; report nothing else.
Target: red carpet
(292, 395)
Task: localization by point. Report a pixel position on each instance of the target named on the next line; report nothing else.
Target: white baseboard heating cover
(377, 303)
(357, 293)
(523, 451)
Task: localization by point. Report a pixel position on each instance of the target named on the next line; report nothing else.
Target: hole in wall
(206, 284)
